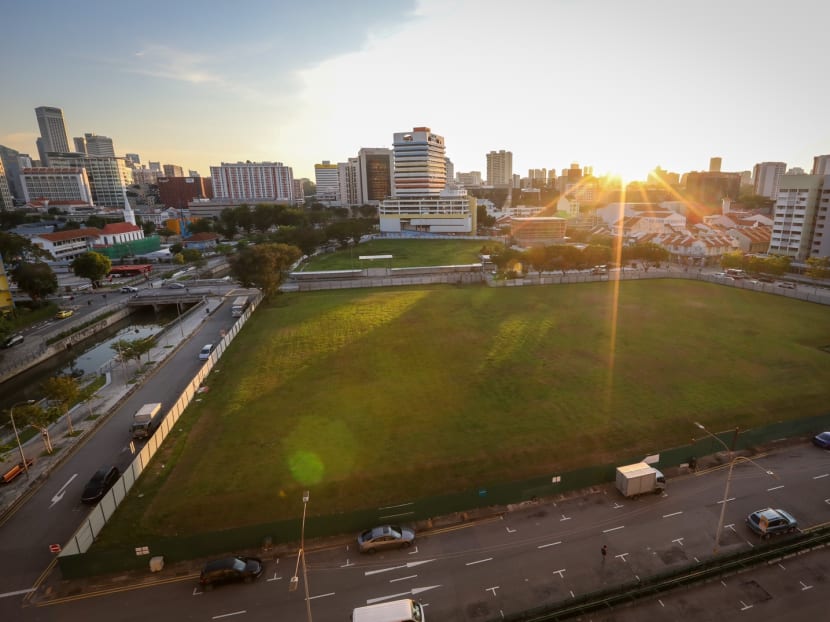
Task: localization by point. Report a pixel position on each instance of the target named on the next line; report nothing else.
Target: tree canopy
(14, 248)
(93, 266)
(36, 279)
(264, 265)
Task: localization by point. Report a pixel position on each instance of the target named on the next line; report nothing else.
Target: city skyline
(620, 87)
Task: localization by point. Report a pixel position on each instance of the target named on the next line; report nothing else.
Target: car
(64, 313)
(786, 285)
(176, 286)
(12, 340)
(230, 570)
(128, 289)
(768, 522)
(385, 537)
(204, 353)
(99, 484)
(822, 440)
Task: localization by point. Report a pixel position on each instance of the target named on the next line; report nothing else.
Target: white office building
(108, 177)
(56, 184)
(800, 222)
(766, 176)
(420, 166)
(821, 165)
(252, 182)
(327, 181)
(53, 134)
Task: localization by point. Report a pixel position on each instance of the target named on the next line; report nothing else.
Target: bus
(240, 303)
(735, 273)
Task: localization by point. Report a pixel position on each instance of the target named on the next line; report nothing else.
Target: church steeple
(129, 216)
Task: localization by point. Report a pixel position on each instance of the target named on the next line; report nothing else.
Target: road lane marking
(413, 592)
(493, 589)
(275, 577)
(391, 568)
(781, 566)
(226, 615)
(564, 518)
(727, 501)
(17, 593)
(745, 606)
(678, 541)
(617, 506)
(560, 572)
(510, 530)
(613, 529)
(623, 555)
(395, 515)
(480, 561)
(395, 507)
(775, 488)
(412, 576)
(805, 587)
(413, 552)
(347, 564)
(544, 546)
(822, 476)
(59, 495)
(672, 514)
(321, 595)
(661, 602)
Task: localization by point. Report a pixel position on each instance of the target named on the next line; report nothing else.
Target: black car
(230, 570)
(100, 483)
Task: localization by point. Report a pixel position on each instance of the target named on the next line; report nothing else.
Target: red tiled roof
(119, 227)
(73, 234)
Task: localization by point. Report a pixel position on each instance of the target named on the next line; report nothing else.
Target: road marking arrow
(407, 565)
(59, 495)
(412, 592)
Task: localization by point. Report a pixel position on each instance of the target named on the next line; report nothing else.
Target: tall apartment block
(715, 164)
(108, 177)
(766, 176)
(377, 167)
(327, 181)
(420, 168)
(99, 145)
(52, 131)
(253, 181)
(499, 168)
(6, 199)
(821, 165)
(179, 191)
(800, 226)
(173, 170)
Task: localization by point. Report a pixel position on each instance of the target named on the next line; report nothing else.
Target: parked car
(204, 353)
(769, 522)
(822, 440)
(99, 484)
(176, 285)
(786, 285)
(12, 340)
(230, 570)
(385, 537)
(63, 313)
(128, 289)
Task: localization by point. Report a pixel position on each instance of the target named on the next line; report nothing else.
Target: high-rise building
(10, 159)
(52, 130)
(327, 181)
(179, 191)
(99, 145)
(253, 181)
(420, 169)
(801, 228)
(155, 166)
(132, 160)
(376, 166)
(56, 184)
(471, 179)
(821, 165)
(80, 144)
(711, 188)
(108, 177)
(766, 176)
(499, 168)
(6, 199)
(348, 176)
(714, 165)
(173, 170)
(449, 169)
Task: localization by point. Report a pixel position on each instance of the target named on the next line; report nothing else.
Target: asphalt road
(535, 555)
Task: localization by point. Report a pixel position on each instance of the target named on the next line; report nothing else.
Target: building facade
(253, 181)
(376, 174)
(471, 179)
(767, 176)
(56, 184)
(420, 168)
(327, 181)
(499, 168)
(821, 165)
(99, 145)
(453, 211)
(53, 134)
(537, 230)
(108, 177)
(173, 170)
(6, 199)
(800, 222)
(179, 191)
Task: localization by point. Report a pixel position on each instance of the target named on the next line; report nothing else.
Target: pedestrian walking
(604, 551)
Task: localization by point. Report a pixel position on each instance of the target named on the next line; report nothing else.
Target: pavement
(121, 381)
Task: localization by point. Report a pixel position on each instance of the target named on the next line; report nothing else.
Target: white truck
(145, 421)
(639, 479)
(404, 610)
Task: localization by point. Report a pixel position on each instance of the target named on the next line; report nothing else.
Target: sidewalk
(86, 417)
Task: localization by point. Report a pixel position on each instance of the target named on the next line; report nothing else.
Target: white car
(127, 289)
(204, 353)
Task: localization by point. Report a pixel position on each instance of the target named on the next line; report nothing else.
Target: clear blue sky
(622, 86)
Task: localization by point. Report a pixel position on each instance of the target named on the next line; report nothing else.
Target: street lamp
(17, 436)
(292, 585)
(732, 460)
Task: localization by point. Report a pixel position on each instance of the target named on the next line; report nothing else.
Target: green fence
(182, 548)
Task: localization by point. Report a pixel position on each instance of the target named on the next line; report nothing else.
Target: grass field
(369, 397)
(405, 254)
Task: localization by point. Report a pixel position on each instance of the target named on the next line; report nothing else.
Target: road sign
(54, 548)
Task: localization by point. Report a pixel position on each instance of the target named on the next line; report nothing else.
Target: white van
(405, 610)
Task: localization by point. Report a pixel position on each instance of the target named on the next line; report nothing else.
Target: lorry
(639, 479)
(239, 305)
(145, 421)
(404, 610)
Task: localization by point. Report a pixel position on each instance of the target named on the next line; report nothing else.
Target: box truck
(404, 610)
(145, 421)
(639, 479)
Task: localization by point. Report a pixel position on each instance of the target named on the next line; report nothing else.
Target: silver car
(385, 537)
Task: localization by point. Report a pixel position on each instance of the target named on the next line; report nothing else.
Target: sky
(619, 85)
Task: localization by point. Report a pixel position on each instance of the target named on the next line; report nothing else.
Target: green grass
(405, 254)
(372, 397)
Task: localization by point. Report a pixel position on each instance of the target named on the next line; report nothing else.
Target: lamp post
(17, 436)
(732, 461)
(292, 585)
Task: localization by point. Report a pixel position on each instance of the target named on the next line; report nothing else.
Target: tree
(14, 248)
(482, 218)
(538, 258)
(244, 218)
(39, 418)
(63, 392)
(191, 254)
(264, 265)
(228, 223)
(819, 267)
(166, 232)
(264, 217)
(149, 227)
(202, 225)
(93, 266)
(36, 279)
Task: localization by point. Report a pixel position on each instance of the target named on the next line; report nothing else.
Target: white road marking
(385, 516)
(412, 576)
(275, 577)
(395, 507)
(510, 530)
(781, 566)
(730, 526)
(347, 564)
(617, 506)
(822, 476)
(226, 615)
(613, 529)
(727, 501)
(722, 583)
(623, 556)
(391, 568)
(672, 514)
(661, 602)
(572, 593)
(564, 518)
(17, 593)
(412, 592)
(775, 488)
(492, 589)
(745, 606)
(560, 572)
(480, 561)
(59, 495)
(413, 552)
(804, 586)
(321, 596)
(678, 541)
(544, 546)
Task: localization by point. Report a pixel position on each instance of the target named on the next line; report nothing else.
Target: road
(536, 555)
